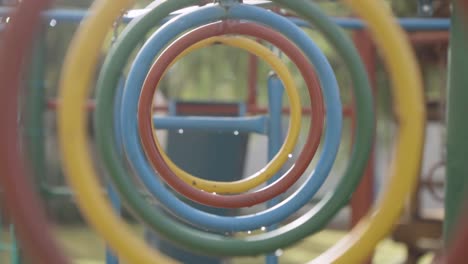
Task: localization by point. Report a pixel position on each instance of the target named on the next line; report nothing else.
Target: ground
(85, 248)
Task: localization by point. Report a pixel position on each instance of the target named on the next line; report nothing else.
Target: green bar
(34, 112)
(34, 126)
(15, 252)
(457, 126)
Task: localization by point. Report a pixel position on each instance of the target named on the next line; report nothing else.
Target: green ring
(208, 243)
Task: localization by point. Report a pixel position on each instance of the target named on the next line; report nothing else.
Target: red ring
(22, 203)
(151, 83)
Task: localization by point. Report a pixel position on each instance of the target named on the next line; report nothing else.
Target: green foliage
(405, 7)
(215, 73)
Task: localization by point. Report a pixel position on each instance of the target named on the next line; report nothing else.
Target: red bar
(429, 38)
(215, 109)
(363, 197)
(252, 80)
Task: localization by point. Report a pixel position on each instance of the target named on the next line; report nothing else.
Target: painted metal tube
(111, 257)
(410, 24)
(275, 139)
(15, 256)
(457, 127)
(257, 124)
(363, 197)
(252, 74)
(34, 112)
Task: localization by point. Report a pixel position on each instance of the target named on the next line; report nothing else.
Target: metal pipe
(363, 197)
(275, 139)
(410, 24)
(257, 124)
(457, 127)
(53, 104)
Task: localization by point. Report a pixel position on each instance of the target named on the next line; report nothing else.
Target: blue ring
(157, 42)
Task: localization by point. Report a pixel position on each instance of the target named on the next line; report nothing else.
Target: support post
(457, 125)
(275, 137)
(363, 197)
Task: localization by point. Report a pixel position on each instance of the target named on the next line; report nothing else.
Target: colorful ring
(169, 229)
(152, 146)
(143, 169)
(246, 44)
(233, 27)
(231, 246)
(187, 184)
(136, 78)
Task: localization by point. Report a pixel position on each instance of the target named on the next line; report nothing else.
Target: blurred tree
(405, 7)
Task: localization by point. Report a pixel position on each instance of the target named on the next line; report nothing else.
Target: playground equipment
(124, 129)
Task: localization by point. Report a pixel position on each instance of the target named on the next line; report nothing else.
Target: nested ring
(136, 79)
(251, 16)
(254, 47)
(150, 144)
(137, 159)
(171, 55)
(383, 20)
(248, 45)
(83, 178)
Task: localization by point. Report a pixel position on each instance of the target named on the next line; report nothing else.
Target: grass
(81, 244)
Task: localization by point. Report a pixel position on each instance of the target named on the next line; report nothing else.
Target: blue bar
(256, 124)
(112, 258)
(275, 139)
(14, 249)
(410, 24)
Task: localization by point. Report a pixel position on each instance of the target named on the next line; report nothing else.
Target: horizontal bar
(76, 15)
(251, 109)
(410, 24)
(429, 38)
(254, 124)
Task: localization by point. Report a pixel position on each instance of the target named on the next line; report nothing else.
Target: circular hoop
(143, 169)
(130, 98)
(149, 140)
(136, 78)
(233, 27)
(189, 185)
(82, 176)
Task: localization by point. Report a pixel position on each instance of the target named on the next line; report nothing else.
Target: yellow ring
(354, 247)
(82, 58)
(291, 139)
(410, 113)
